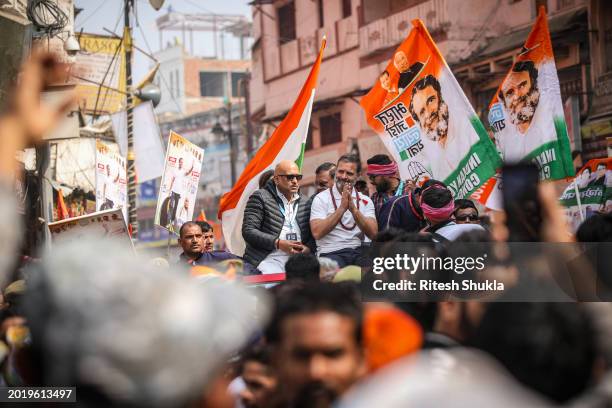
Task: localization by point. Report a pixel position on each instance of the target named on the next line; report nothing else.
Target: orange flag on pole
(62, 210)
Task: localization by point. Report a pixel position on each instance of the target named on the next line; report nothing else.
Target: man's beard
(383, 186)
(314, 395)
(340, 183)
(530, 103)
(441, 128)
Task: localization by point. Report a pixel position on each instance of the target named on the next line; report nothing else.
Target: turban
(434, 214)
(389, 334)
(382, 169)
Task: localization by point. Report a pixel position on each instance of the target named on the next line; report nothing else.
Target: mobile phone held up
(522, 202)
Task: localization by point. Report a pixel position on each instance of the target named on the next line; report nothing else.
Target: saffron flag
(201, 216)
(526, 114)
(286, 143)
(594, 184)
(426, 121)
(62, 210)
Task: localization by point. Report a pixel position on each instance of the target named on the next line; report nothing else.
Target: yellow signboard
(101, 61)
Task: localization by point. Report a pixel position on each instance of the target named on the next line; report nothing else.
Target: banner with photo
(426, 121)
(111, 179)
(179, 184)
(526, 114)
(103, 224)
(594, 182)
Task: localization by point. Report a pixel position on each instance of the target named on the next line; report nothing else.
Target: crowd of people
(128, 331)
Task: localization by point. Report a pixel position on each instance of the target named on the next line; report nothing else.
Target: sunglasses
(467, 218)
(290, 177)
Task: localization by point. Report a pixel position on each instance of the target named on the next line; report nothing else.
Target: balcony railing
(392, 30)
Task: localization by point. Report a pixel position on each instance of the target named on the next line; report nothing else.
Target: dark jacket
(263, 222)
(401, 212)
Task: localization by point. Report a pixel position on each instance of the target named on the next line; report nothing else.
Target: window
(330, 127)
(237, 87)
(346, 8)
(606, 24)
(321, 15)
(213, 83)
(286, 23)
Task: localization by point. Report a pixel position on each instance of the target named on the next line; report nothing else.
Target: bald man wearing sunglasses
(276, 221)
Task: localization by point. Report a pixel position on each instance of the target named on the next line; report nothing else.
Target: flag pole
(578, 200)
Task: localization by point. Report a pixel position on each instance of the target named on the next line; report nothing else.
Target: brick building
(478, 38)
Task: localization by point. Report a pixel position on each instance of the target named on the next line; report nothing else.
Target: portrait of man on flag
(526, 113)
(425, 120)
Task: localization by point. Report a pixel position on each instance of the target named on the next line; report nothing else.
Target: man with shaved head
(276, 221)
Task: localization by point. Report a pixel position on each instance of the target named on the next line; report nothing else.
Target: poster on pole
(111, 179)
(101, 61)
(179, 184)
(425, 120)
(594, 184)
(102, 225)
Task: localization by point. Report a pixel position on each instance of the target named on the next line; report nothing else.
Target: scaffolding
(217, 24)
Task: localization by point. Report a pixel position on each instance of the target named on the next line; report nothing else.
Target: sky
(100, 14)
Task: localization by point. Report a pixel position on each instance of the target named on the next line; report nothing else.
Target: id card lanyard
(291, 214)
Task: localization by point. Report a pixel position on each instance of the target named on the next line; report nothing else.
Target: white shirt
(275, 261)
(180, 180)
(339, 237)
(452, 231)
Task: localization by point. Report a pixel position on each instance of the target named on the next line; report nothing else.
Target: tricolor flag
(286, 143)
(426, 121)
(526, 114)
(594, 184)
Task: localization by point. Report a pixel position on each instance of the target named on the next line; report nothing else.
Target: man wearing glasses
(466, 212)
(276, 221)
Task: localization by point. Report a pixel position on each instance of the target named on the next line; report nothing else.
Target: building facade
(193, 84)
(478, 38)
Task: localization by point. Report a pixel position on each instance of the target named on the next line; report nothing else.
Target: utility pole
(131, 163)
(231, 141)
(246, 82)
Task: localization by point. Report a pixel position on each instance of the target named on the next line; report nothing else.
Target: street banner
(179, 184)
(101, 61)
(286, 143)
(594, 184)
(526, 114)
(426, 121)
(103, 224)
(111, 180)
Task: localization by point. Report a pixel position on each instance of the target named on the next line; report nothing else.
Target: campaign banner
(111, 179)
(179, 184)
(594, 182)
(103, 225)
(426, 121)
(526, 114)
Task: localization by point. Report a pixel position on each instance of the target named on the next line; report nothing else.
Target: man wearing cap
(384, 175)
